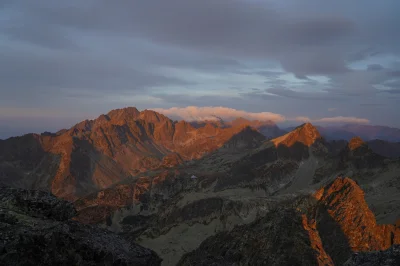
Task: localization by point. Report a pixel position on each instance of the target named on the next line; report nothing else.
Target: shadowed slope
(320, 230)
(385, 148)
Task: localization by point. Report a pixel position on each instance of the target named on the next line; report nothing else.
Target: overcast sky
(289, 61)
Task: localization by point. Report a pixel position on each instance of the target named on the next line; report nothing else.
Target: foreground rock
(276, 239)
(389, 257)
(323, 229)
(35, 230)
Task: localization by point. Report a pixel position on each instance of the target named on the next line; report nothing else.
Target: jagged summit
(306, 134)
(123, 113)
(152, 116)
(355, 143)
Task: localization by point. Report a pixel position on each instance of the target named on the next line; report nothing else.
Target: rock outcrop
(35, 229)
(344, 201)
(389, 257)
(324, 229)
(355, 143)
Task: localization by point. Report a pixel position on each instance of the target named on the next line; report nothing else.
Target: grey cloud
(244, 29)
(40, 33)
(299, 76)
(375, 67)
(183, 100)
(284, 92)
(362, 54)
(74, 71)
(259, 94)
(371, 104)
(394, 84)
(48, 79)
(269, 74)
(393, 91)
(278, 93)
(320, 61)
(363, 82)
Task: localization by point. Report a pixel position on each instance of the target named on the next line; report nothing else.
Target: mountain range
(366, 132)
(215, 192)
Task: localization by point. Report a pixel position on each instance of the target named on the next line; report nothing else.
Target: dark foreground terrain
(36, 229)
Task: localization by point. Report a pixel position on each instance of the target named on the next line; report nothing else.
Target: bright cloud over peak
(343, 119)
(194, 113)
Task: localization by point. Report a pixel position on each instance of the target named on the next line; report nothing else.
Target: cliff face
(35, 229)
(344, 201)
(324, 229)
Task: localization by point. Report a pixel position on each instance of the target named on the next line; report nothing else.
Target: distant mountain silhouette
(366, 132)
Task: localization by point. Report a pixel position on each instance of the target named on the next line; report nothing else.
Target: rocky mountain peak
(344, 201)
(355, 143)
(308, 127)
(306, 134)
(151, 116)
(240, 121)
(123, 113)
(246, 138)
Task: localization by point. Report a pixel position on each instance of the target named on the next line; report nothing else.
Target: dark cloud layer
(232, 28)
(164, 53)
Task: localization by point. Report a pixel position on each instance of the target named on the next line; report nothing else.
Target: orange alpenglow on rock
(306, 134)
(345, 203)
(355, 143)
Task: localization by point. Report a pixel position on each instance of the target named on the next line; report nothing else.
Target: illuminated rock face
(96, 154)
(355, 143)
(344, 201)
(306, 134)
